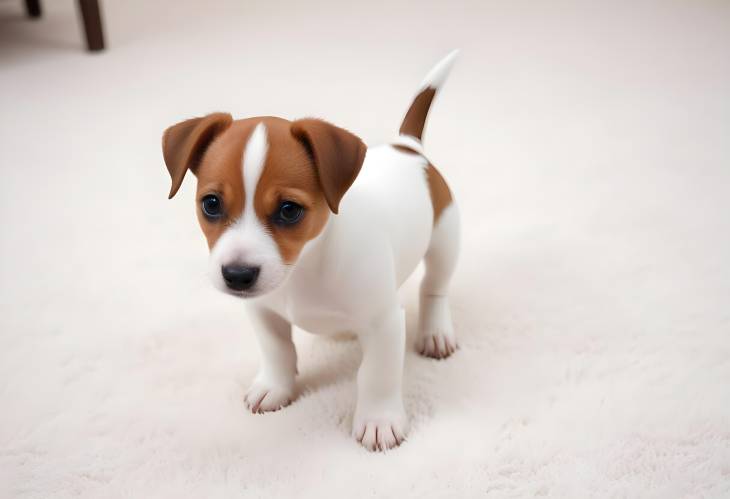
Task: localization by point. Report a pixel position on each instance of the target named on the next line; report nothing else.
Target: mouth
(241, 294)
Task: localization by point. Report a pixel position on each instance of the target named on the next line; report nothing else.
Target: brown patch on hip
(437, 188)
(439, 191)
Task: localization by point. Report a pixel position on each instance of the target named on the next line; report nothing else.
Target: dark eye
(289, 213)
(212, 207)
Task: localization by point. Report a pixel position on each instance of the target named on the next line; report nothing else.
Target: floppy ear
(184, 144)
(337, 156)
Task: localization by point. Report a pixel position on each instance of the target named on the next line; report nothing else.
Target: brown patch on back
(415, 119)
(405, 149)
(439, 191)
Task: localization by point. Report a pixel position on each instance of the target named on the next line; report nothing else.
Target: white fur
(347, 279)
(436, 337)
(591, 302)
(438, 74)
(247, 242)
(254, 158)
(409, 141)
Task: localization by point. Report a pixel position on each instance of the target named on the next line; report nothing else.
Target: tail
(415, 119)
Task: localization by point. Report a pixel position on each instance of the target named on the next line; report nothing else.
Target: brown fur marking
(184, 144)
(309, 162)
(337, 156)
(415, 119)
(437, 187)
(289, 175)
(440, 193)
(220, 174)
(405, 149)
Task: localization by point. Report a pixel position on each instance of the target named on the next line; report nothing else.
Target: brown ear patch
(336, 153)
(184, 144)
(440, 193)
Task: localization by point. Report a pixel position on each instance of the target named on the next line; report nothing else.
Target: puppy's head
(266, 186)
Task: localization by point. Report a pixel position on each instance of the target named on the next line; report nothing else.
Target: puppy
(316, 230)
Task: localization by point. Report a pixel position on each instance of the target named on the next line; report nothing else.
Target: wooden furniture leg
(33, 8)
(91, 15)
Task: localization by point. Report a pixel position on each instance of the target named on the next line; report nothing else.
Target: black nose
(239, 277)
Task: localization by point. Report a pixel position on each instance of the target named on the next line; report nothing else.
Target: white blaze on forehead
(254, 157)
(247, 242)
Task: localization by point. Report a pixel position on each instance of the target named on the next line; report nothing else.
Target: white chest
(353, 269)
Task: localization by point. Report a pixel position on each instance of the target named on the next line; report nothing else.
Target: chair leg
(33, 8)
(91, 15)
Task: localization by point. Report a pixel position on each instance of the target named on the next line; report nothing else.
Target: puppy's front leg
(273, 387)
(380, 422)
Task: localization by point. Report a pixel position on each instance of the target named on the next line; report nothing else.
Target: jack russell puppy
(317, 230)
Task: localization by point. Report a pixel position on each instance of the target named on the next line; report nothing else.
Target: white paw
(436, 336)
(380, 432)
(264, 396)
(436, 344)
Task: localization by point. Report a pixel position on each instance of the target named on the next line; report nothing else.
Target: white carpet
(589, 147)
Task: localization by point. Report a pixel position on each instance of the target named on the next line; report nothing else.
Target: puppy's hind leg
(436, 336)
(380, 422)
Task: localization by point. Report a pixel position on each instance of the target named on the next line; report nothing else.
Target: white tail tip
(440, 71)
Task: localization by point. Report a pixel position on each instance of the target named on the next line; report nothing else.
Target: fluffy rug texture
(588, 147)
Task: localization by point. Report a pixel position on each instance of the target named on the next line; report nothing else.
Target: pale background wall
(588, 146)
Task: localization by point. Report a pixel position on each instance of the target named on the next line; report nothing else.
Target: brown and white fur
(316, 230)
